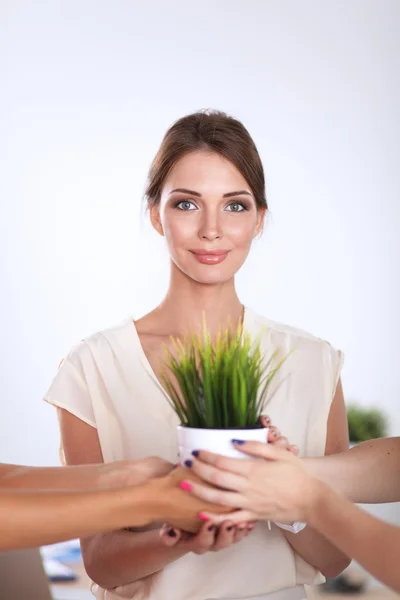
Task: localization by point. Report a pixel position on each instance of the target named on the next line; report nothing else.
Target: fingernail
(267, 419)
(195, 453)
(238, 442)
(186, 486)
(203, 517)
(171, 533)
(188, 463)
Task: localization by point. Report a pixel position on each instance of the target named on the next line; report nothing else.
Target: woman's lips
(210, 257)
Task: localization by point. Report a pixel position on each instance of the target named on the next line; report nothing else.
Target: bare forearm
(350, 472)
(371, 542)
(30, 519)
(50, 478)
(318, 551)
(121, 557)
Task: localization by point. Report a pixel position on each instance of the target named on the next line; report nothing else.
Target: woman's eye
(235, 207)
(186, 205)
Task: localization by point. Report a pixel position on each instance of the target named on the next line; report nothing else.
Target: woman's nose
(210, 228)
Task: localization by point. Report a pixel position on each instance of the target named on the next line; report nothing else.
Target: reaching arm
(19, 477)
(350, 472)
(117, 557)
(34, 518)
(310, 544)
(371, 542)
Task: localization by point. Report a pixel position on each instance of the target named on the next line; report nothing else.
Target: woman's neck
(188, 302)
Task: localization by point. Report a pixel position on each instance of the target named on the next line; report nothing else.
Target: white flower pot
(218, 441)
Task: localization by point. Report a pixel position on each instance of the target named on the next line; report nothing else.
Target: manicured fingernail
(238, 442)
(188, 463)
(195, 453)
(171, 533)
(203, 517)
(186, 486)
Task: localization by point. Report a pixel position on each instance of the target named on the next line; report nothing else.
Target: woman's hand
(278, 488)
(133, 472)
(211, 537)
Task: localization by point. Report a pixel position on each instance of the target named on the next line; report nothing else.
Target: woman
(287, 488)
(206, 196)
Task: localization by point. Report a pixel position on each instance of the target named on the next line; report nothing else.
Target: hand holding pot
(278, 488)
(212, 537)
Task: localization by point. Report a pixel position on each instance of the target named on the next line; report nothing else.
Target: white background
(88, 88)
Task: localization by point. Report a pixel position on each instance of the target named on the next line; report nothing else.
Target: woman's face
(208, 216)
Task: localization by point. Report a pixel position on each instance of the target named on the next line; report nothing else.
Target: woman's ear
(260, 221)
(155, 219)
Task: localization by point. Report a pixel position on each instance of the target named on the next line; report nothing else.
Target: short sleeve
(336, 360)
(69, 388)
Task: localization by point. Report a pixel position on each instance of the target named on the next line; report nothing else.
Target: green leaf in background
(366, 423)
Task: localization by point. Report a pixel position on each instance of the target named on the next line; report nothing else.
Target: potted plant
(218, 389)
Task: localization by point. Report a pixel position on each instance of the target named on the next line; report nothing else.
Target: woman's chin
(210, 275)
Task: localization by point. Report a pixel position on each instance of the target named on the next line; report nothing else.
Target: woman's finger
(205, 539)
(240, 467)
(265, 421)
(241, 532)
(239, 516)
(225, 537)
(273, 434)
(170, 536)
(267, 451)
(212, 495)
(218, 477)
(282, 442)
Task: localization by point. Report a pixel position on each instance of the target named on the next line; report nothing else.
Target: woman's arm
(35, 518)
(309, 544)
(281, 488)
(117, 557)
(122, 557)
(350, 472)
(82, 477)
(371, 542)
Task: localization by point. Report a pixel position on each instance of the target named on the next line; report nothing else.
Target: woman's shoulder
(286, 334)
(102, 341)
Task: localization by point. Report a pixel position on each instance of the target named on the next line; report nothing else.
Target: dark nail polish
(239, 442)
(211, 528)
(188, 463)
(229, 528)
(195, 453)
(171, 533)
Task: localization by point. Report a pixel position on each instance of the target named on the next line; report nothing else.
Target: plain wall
(88, 90)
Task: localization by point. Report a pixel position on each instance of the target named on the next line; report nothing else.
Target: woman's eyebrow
(238, 193)
(193, 193)
(185, 191)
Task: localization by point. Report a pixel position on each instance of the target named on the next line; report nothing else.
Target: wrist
(316, 500)
(139, 505)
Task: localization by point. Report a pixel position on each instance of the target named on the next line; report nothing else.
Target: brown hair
(208, 130)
